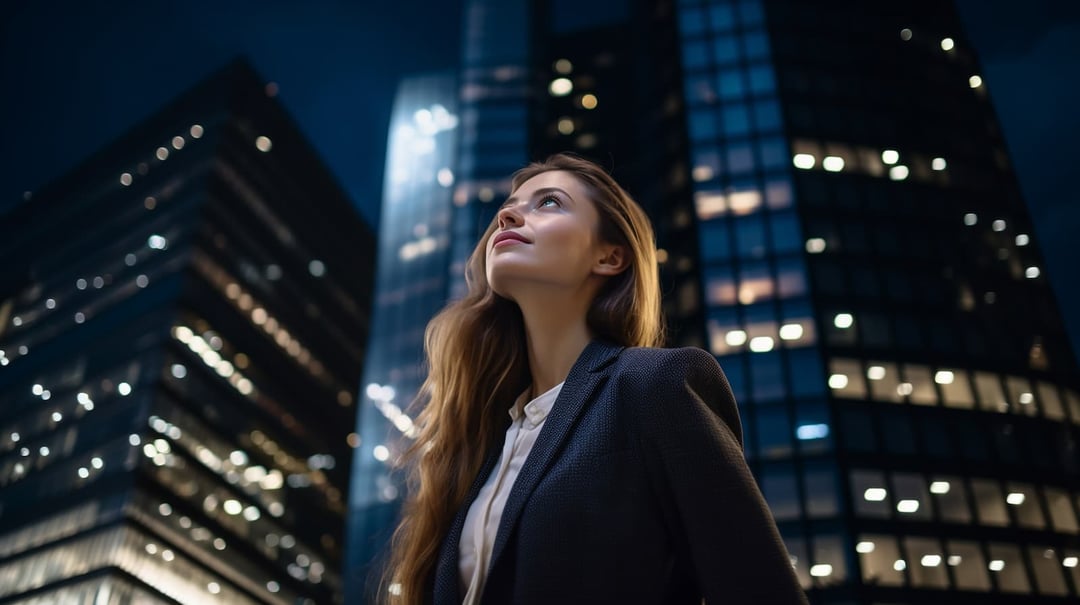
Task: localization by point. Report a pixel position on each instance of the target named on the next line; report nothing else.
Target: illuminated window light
(975, 81)
(735, 338)
(898, 172)
(809, 432)
(791, 332)
(875, 494)
(821, 570)
(905, 34)
(947, 44)
(938, 164)
(1031, 272)
(701, 173)
(970, 219)
(996, 565)
(905, 388)
(954, 560)
(560, 87)
(998, 225)
(815, 245)
(1022, 239)
(1069, 561)
(843, 320)
(838, 381)
(875, 372)
(944, 377)
(899, 565)
(864, 547)
(1027, 398)
(931, 560)
(1015, 498)
(761, 344)
(940, 487)
(907, 506)
(890, 156)
(563, 66)
(589, 101)
(805, 161)
(832, 163)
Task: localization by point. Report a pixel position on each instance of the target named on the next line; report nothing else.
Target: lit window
(815, 245)
(1022, 239)
(864, 547)
(975, 81)
(761, 344)
(998, 225)
(907, 506)
(898, 172)
(900, 565)
(1015, 498)
(560, 87)
(1031, 272)
(938, 164)
(890, 156)
(970, 219)
(838, 381)
(931, 560)
(821, 570)
(843, 320)
(804, 161)
(263, 144)
(875, 494)
(791, 332)
(833, 163)
(735, 338)
(996, 565)
(875, 372)
(944, 377)
(940, 487)
(947, 44)
(702, 173)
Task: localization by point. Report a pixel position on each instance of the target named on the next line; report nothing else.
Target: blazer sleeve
(692, 442)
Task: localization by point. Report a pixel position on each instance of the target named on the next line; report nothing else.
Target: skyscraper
(183, 320)
(838, 223)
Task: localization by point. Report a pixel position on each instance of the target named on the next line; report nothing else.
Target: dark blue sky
(76, 74)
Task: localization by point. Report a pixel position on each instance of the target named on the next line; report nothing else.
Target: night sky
(76, 74)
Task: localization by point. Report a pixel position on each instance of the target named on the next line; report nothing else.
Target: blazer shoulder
(646, 359)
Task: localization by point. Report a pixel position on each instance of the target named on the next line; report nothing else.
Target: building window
(1061, 511)
(968, 565)
(989, 502)
(1007, 566)
(880, 560)
(1047, 566)
(885, 382)
(950, 499)
(926, 563)
(1051, 403)
(1024, 500)
(828, 566)
(919, 385)
(846, 379)
(955, 388)
(779, 487)
(774, 432)
(821, 500)
(870, 494)
(1021, 396)
(991, 395)
(912, 499)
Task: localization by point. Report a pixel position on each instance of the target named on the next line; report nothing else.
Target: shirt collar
(535, 411)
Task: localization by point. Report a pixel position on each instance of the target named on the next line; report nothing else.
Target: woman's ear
(614, 260)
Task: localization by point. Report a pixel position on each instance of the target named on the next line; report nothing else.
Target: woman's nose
(508, 216)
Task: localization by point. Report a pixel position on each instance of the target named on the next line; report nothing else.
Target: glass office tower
(838, 223)
(183, 320)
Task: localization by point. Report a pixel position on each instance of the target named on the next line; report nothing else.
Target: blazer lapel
(583, 379)
(447, 578)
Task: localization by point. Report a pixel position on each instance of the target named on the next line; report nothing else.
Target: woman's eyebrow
(539, 192)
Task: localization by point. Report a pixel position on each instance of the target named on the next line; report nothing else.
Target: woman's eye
(548, 201)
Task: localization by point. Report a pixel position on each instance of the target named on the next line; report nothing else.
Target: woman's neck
(556, 333)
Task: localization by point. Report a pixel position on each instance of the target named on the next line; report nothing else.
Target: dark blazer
(636, 491)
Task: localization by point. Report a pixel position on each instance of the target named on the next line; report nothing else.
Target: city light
(560, 87)
(975, 81)
(947, 44)
(838, 381)
(890, 156)
(761, 344)
(938, 164)
(875, 494)
(791, 332)
(907, 506)
(821, 570)
(735, 338)
(1015, 498)
(843, 320)
(864, 547)
(804, 161)
(940, 487)
(875, 372)
(833, 163)
(264, 144)
(815, 245)
(931, 560)
(898, 172)
(1022, 239)
(589, 101)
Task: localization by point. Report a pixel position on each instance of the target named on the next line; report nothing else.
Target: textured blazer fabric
(636, 491)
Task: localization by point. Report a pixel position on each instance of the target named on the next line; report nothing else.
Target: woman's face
(547, 235)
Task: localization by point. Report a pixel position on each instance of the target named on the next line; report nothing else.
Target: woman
(561, 457)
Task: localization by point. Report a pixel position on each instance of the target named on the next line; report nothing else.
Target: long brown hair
(477, 365)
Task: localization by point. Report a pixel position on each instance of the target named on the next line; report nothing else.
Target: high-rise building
(839, 224)
(183, 320)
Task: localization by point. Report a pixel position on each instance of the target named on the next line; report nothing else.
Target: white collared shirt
(482, 520)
